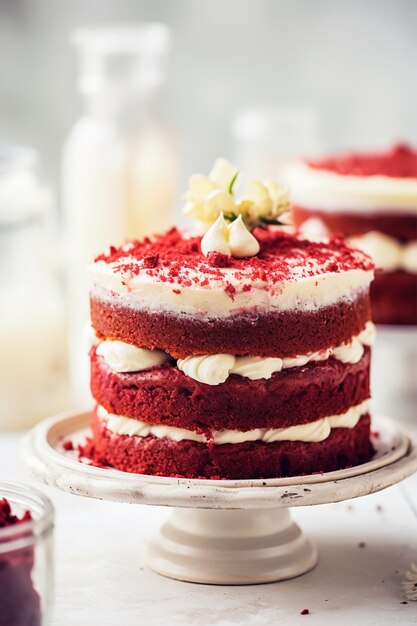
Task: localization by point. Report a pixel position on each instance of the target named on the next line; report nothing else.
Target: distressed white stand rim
(221, 531)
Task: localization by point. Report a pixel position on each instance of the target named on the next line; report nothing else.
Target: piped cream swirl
(232, 239)
(312, 432)
(123, 357)
(221, 366)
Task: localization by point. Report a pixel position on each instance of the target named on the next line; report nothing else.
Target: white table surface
(101, 577)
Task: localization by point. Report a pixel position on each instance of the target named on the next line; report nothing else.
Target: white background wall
(354, 60)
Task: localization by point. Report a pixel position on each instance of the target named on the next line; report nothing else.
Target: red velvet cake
(372, 200)
(234, 355)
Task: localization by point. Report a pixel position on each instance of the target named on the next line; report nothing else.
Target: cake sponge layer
(162, 457)
(166, 395)
(259, 333)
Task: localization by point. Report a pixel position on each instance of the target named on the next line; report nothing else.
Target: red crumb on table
(305, 612)
(398, 162)
(361, 544)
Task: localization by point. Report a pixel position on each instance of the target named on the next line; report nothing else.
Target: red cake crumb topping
(7, 518)
(216, 259)
(399, 162)
(177, 259)
(305, 612)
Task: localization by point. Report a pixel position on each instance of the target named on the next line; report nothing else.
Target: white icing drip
(308, 433)
(123, 357)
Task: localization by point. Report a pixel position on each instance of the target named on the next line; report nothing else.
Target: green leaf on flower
(232, 182)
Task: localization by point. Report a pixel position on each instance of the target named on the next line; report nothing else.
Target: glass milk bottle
(33, 357)
(119, 166)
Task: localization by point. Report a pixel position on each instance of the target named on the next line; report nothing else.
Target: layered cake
(372, 200)
(242, 353)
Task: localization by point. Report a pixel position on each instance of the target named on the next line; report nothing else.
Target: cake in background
(243, 353)
(370, 198)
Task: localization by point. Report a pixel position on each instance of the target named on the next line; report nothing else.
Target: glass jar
(33, 372)
(120, 161)
(26, 559)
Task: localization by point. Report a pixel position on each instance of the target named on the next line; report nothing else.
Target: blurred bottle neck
(126, 104)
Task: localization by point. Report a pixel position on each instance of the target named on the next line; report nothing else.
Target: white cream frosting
(308, 433)
(232, 239)
(304, 293)
(123, 357)
(221, 366)
(211, 367)
(215, 239)
(329, 191)
(256, 367)
(388, 253)
(90, 335)
(214, 369)
(241, 241)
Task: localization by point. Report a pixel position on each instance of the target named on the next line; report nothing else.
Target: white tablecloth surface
(101, 577)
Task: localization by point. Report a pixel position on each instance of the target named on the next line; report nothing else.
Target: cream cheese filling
(307, 433)
(215, 369)
(388, 253)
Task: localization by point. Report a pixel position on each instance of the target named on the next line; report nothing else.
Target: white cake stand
(222, 531)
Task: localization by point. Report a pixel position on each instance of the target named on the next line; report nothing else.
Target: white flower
(409, 584)
(279, 197)
(258, 195)
(224, 174)
(209, 196)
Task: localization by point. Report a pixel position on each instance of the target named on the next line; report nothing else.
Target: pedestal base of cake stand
(222, 547)
(225, 532)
